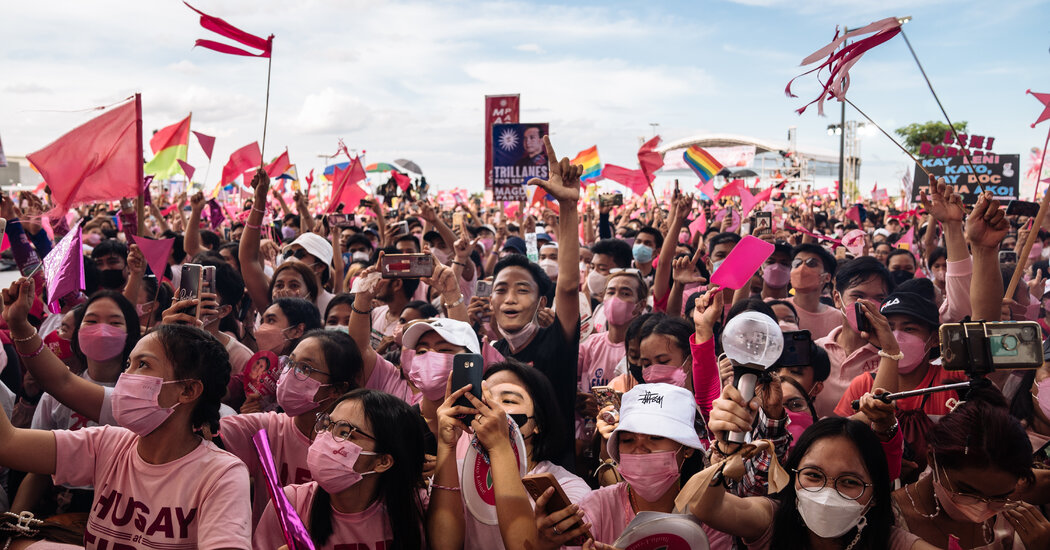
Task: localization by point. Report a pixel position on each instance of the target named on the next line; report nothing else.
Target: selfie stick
(890, 397)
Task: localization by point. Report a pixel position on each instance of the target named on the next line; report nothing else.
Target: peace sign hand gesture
(563, 177)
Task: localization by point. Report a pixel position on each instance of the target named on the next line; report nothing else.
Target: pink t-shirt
(956, 304)
(197, 501)
(598, 359)
(609, 511)
(369, 529)
(387, 378)
(239, 354)
(381, 326)
(844, 368)
(288, 444)
(819, 325)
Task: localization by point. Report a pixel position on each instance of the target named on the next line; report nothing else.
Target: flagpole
(266, 112)
(140, 208)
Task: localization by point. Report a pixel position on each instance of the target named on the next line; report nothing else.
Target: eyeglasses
(340, 430)
(969, 499)
(520, 419)
(301, 370)
(796, 404)
(848, 486)
(810, 262)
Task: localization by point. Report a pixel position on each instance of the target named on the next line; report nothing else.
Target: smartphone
(606, 395)
(762, 224)
(610, 199)
(863, 325)
(483, 288)
(227, 234)
(537, 484)
(190, 285)
(457, 220)
(986, 347)
(401, 228)
(1022, 208)
(798, 345)
(1007, 257)
(407, 266)
(339, 220)
(467, 368)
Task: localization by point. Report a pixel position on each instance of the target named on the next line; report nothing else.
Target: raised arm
(680, 209)
(986, 227)
(255, 280)
(945, 206)
(361, 315)
(192, 241)
(136, 270)
(445, 512)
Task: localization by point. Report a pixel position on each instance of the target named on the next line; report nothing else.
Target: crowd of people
(131, 410)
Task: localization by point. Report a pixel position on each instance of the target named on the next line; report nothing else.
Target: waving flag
(207, 143)
(702, 162)
(218, 26)
(649, 160)
(345, 188)
(279, 165)
(242, 160)
(632, 179)
(169, 146)
(592, 165)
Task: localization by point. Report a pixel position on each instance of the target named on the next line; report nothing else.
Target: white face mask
(827, 514)
(596, 283)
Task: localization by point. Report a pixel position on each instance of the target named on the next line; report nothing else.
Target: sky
(403, 79)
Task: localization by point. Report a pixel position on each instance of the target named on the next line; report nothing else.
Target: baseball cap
(656, 409)
(517, 244)
(451, 330)
(489, 227)
(543, 237)
(913, 297)
(315, 245)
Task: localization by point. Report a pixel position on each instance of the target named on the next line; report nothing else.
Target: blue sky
(407, 79)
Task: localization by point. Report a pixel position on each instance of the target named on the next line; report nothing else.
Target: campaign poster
(996, 173)
(518, 155)
(499, 109)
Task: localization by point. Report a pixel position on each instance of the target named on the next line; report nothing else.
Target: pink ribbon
(812, 234)
(295, 533)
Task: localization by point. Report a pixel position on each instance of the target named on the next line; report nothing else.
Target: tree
(933, 131)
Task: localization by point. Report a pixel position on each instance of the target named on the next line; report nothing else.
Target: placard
(518, 155)
(499, 109)
(999, 174)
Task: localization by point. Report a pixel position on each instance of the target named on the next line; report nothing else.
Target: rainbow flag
(592, 165)
(169, 145)
(705, 165)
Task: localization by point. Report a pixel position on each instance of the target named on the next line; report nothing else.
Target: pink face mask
(799, 422)
(101, 342)
(618, 311)
(427, 371)
(270, 338)
(135, 405)
(914, 351)
(668, 374)
(650, 474)
(332, 462)
(975, 512)
(776, 275)
(296, 396)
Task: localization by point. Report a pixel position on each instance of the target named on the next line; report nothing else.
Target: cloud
(533, 48)
(27, 88)
(329, 111)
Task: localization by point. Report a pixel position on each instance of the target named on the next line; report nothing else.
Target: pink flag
(854, 214)
(64, 269)
(279, 165)
(649, 160)
(707, 188)
(241, 161)
(730, 189)
(512, 210)
(747, 201)
(735, 220)
(345, 188)
(908, 239)
(634, 180)
(207, 143)
(227, 30)
(98, 161)
(699, 225)
(403, 181)
(155, 251)
(187, 169)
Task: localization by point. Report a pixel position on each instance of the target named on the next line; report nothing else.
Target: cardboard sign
(518, 155)
(999, 174)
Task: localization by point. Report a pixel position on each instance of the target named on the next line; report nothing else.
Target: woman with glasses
(980, 458)
(323, 366)
(838, 498)
(366, 463)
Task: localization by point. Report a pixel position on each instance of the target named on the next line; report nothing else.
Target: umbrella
(409, 165)
(380, 167)
(742, 173)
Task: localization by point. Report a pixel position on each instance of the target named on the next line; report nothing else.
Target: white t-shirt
(50, 414)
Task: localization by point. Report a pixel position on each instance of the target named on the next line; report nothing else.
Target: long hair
(548, 441)
(980, 433)
(341, 356)
(399, 433)
(790, 532)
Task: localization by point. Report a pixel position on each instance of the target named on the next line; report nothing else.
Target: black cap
(516, 244)
(913, 297)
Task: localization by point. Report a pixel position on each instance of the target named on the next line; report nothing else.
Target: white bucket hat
(656, 409)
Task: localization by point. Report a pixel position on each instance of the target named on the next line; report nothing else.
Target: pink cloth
(707, 382)
(288, 444)
(894, 451)
(239, 354)
(843, 370)
(367, 529)
(609, 511)
(197, 501)
(819, 325)
(381, 326)
(956, 304)
(387, 378)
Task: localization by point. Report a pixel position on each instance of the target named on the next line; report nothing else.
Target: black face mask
(111, 278)
(900, 276)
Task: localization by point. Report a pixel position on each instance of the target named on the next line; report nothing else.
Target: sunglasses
(810, 262)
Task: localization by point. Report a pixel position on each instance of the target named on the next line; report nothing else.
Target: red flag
(279, 165)
(854, 214)
(633, 179)
(155, 251)
(242, 160)
(649, 160)
(174, 134)
(730, 189)
(207, 143)
(186, 169)
(223, 28)
(97, 161)
(403, 181)
(345, 190)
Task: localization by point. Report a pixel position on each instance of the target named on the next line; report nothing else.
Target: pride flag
(705, 165)
(169, 145)
(592, 165)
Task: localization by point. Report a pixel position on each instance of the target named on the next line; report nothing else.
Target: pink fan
(742, 263)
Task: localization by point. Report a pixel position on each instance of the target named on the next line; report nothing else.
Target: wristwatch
(888, 434)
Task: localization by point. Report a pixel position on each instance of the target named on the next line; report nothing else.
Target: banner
(737, 156)
(996, 173)
(518, 155)
(499, 109)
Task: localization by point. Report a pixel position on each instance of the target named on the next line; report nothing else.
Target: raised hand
(946, 205)
(563, 177)
(136, 261)
(684, 272)
(986, 226)
(261, 183)
(18, 300)
(707, 312)
(881, 336)
(197, 201)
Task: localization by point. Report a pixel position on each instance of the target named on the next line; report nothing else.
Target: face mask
(338, 328)
(650, 474)
(441, 255)
(617, 310)
(642, 253)
(976, 512)
(101, 342)
(296, 396)
(715, 265)
(135, 405)
(803, 278)
(827, 514)
(668, 374)
(938, 275)
(427, 371)
(361, 256)
(799, 422)
(776, 275)
(1044, 396)
(270, 338)
(683, 238)
(332, 462)
(596, 283)
(288, 233)
(486, 243)
(518, 340)
(143, 309)
(112, 279)
(550, 267)
(914, 351)
(900, 276)
(788, 327)
(92, 239)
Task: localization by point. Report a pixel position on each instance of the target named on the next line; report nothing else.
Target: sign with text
(995, 173)
(499, 109)
(518, 155)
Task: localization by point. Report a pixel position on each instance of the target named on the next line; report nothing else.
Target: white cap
(314, 245)
(661, 409)
(453, 332)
